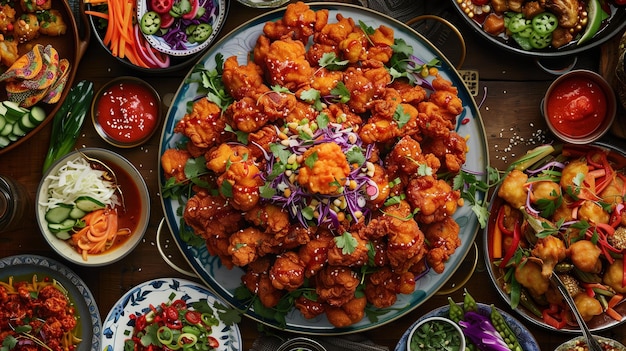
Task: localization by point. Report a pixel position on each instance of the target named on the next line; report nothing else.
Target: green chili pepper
(68, 121)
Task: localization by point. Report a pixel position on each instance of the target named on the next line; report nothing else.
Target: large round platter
(525, 338)
(69, 46)
(224, 281)
(117, 326)
(25, 266)
(610, 27)
(598, 323)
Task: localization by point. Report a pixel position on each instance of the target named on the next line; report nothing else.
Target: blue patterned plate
(118, 326)
(525, 338)
(224, 281)
(23, 267)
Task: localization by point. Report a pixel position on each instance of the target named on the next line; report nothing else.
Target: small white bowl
(439, 320)
(138, 199)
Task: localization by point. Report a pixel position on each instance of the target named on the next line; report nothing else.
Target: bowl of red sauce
(579, 107)
(126, 112)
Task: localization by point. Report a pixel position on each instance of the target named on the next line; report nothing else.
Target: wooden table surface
(511, 87)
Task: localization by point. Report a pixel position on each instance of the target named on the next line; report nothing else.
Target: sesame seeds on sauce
(127, 112)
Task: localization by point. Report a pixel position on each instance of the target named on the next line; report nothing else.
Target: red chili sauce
(127, 112)
(576, 107)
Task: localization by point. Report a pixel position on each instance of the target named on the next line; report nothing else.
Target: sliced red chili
(517, 234)
(213, 342)
(193, 317)
(171, 313)
(555, 316)
(500, 221)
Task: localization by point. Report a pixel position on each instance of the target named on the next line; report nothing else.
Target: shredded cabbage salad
(286, 158)
(77, 178)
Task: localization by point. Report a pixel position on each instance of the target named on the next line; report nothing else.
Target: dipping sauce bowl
(579, 107)
(126, 112)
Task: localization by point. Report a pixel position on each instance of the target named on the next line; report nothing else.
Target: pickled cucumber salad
(74, 191)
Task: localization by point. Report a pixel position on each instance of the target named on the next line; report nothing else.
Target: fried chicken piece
(325, 80)
(513, 189)
(309, 308)
(333, 34)
(244, 179)
(551, 250)
(381, 178)
(585, 256)
(529, 276)
(211, 215)
(565, 10)
(407, 157)
(405, 240)
(296, 235)
(340, 113)
(222, 156)
(336, 285)
(348, 314)
(257, 281)
(286, 64)
(561, 37)
(287, 272)
(365, 83)
(354, 47)
(434, 197)
(329, 172)
(356, 258)
(259, 141)
(443, 239)
(383, 286)
(7, 19)
(243, 80)
(593, 212)
(218, 246)
(302, 111)
(451, 150)
(245, 245)
(431, 122)
(314, 254)
(299, 22)
(173, 163)
(35, 5)
(204, 125)
(271, 218)
(52, 23)
(410, 94)
(588, 306)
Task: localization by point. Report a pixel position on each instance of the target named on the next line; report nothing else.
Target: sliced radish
(141, 50)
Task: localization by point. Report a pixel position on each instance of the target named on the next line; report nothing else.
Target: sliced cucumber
(3, 110)
(3, 121)
(4, 141)
(36, 115)
(65, 226)
(77, 213)
(63, 235)
(58, 214)
(17, 130)
(13, 137)
(88, 204)
(7, 129)
(26, 124)
(14, 111)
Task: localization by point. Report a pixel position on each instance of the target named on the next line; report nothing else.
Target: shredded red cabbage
(299, 199)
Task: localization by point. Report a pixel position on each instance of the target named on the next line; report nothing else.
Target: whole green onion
(68, 122)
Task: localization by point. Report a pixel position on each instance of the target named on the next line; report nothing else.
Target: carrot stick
(97, 14)
(613, 314)
(615, 300)
(496, 242)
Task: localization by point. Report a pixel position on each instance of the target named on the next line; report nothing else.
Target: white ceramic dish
(142, 199)
(118, 326)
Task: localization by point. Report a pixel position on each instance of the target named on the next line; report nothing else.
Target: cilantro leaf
(341, 93)
(313, 97)
(322, 120)
(266, 191)
(226, 189)
(400, 116)
(346, 242)
(331, 62)
(355, 155)
(280, 152)
(242, 137)
(311, 159)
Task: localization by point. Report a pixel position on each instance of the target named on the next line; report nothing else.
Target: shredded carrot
(101, 229)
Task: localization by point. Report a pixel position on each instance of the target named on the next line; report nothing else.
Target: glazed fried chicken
(443, 239)
(173, 163)
(384, 285)
(434, 197)
(257, 281)
(287, 272)
(565, 10)
(335, 285)
(204, 125)
(211, 216)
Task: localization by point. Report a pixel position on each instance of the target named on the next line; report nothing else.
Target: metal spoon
(591, 341)
(109, 174)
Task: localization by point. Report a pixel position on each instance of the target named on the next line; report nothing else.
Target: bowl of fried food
(559, 210)
(92, 207)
